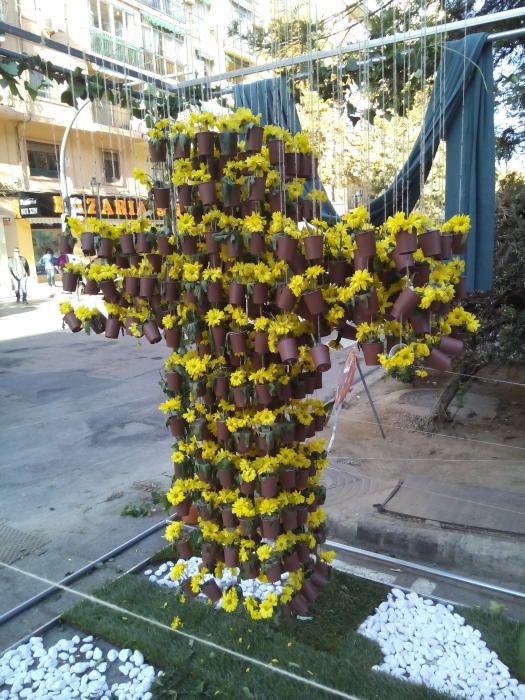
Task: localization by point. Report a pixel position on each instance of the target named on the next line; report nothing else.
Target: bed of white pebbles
(74, 668)
(229, 578)
(427, 642)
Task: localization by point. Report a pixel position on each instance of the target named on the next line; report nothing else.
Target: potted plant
(369, 338)
(228, 140)
(275, 192)
(248, 125)
(263, 424)
(258, 165)
(245, 510)
(157, 141)
(114, 321)
(458, 227)
(91, 320)
(233, 178)
(174, 421)
(237, 336)
(177, 534)
(180, 136)
(275, 138)
(182, 172)
(204, 123)
(69, 317)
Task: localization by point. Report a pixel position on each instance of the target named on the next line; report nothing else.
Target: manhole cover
(15, 544)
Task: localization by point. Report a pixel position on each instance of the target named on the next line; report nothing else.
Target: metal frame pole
(62, 160)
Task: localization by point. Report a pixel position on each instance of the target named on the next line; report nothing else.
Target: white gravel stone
(425, 642)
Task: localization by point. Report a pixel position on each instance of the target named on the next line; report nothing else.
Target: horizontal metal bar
(425, 569)
(504, 36)
(425, 32)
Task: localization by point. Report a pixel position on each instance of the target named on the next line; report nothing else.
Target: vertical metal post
(62, 168)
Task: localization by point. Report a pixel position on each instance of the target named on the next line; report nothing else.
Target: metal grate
(15, 544)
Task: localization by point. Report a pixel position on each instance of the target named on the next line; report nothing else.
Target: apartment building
(160, 39)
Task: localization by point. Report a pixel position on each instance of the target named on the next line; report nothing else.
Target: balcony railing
(3, 10)
(168, 7)
(111, 115)
(114, 47)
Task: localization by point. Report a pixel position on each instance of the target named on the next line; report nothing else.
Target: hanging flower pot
(430, 243)
(256, 244)
(176, 425)
(142, 244)
(182, 149)
(291, 164)
(261, 342)
(214, 292)
(300, 432)
(459, 243)
(270, 526)
(242, 437)
(307, 208)
(260, 293)
(289, 520)
(371, 351)
(147, 287)
(247, 527)
(303, 551)
(314, 302)
(268, 486)
(199, 429)
(287, 348)
(302, 517)
(87, 243)
(210, 588)
(184, 195)
(132, 286)
(218, 334)
(237, 294)
(231, 195)
(188, 245)
(254, 139)
(109, 291)
(438, 360)
(338, 271)
(298, 388)
(72, 322)
(273, 572)
(313, 247)
(205, 143)
(367, 307)
(155, 260)
(212, 246)
(184, 549)
(451, 346)
(461, 289)
(276, 151)
(291, 561)
(406, 241)
(287, 479)
(277, 201)
(265, 443)
(286, 248)
(183, 508)
(161, 197)
(321, 357)
(174, 382)
(157, 151)
(91, 287)
(152, 332)
(172, 336)
(221, 386)
(171, 290)
(405, 304)
(223, 434)
(126, 241)
(309, 382)
(366, 243)
(257, 190)
(228, 143)
(231, 555)
(134, 260)
(421, 274)
(65, 244)
(237, 341)
(105, 248)
(209, 551)
(203, 349)
(247, 488)
(285, 299)
(262, 392)
(207, 193)
(446, 245)
(225, 477)
(420, 324)
(113, 326)
(250, 569)
(403, 261)
(187, 589)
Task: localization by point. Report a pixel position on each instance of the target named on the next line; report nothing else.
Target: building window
(164, 50)
(115, 20)
(111, 164)
(43, 159)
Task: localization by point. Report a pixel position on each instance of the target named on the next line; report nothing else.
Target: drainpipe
(62, 167)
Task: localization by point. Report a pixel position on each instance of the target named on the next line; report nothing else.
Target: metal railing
(3, 10)
(114, 47)
(169, 7)
(111, 115)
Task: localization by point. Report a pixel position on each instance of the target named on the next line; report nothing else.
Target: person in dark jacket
(19, 269)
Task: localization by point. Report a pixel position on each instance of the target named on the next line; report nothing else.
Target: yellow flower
(457, 224)
(178, 570)
(65, 307)
(264, 552)
(230, 600)
(174, 531)
(176, 623)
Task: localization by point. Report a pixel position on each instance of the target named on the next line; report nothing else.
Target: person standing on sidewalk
(19, 269)
(48, 260)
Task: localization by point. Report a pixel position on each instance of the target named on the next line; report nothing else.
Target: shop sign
(107, 207)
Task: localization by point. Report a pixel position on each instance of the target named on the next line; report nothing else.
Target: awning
(45, 220)
(163, 24)
(238, 56)
(203, 56)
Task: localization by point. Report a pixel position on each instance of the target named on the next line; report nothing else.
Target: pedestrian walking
(48, 260)
(19, 269)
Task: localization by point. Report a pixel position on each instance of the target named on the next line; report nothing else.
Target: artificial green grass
(326, 648)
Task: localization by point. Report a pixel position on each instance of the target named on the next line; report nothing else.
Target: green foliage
(145, 507)
(501, 337)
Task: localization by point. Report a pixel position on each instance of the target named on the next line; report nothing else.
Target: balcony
(168, 7)
(3, 10)
(111, 115)
(112, 46)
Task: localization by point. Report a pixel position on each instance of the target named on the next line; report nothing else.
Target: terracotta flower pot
(307, 208)
(276, 201)
(109, 291)
(451, 346)
(207, 193)
(247, 488)
(188, 245)
(286, 248)
(155, 260)
(446, 245)
(87, 243)
(302, 515)
(287, 479)
(177, 426)
(105, 248)
(250, 570)
(132, 286)
(142, 243)
(254, 139)
(209, 551)
(205, 143)
(420, 324)
(161, 197)
(321, 357)
(223, 434)
(221, 386)
(459, 244)
(338, 271)
(366, 309)
(240, 396)
(72, 322)
(152, 332)
(405, 304)
(218, 334)
(298, 388)
(303, 551)
(288, 351)
(276, 151)
(70, 281)
(314, 302)
(127, 244)
(268, 486)
(461, 289)
(261, 342)
(182, 150)
(291, 561)
(210, 588)
(247, 527)
(187, 589)
(172, 336)
(406, 242)
(231, 556)
(157, 151)
(226, 479)
(289, 520)
(256, 244)
(237, 342)
(147, 287)
(313, 247)
(371, 351)
(366, 243)
(285, 299)
(257, 190)
(113, 326)
(291, 164)
(273, 572)
(262, 392)
(402, 260)
(260, 293)
(421, 275)
(232, 196)
(174, 382)
(438, 360)
(91, 287)
(270, 526)
(237, 294)
(64, 245)
(184, 195)
(430, 243)
(228, 143)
